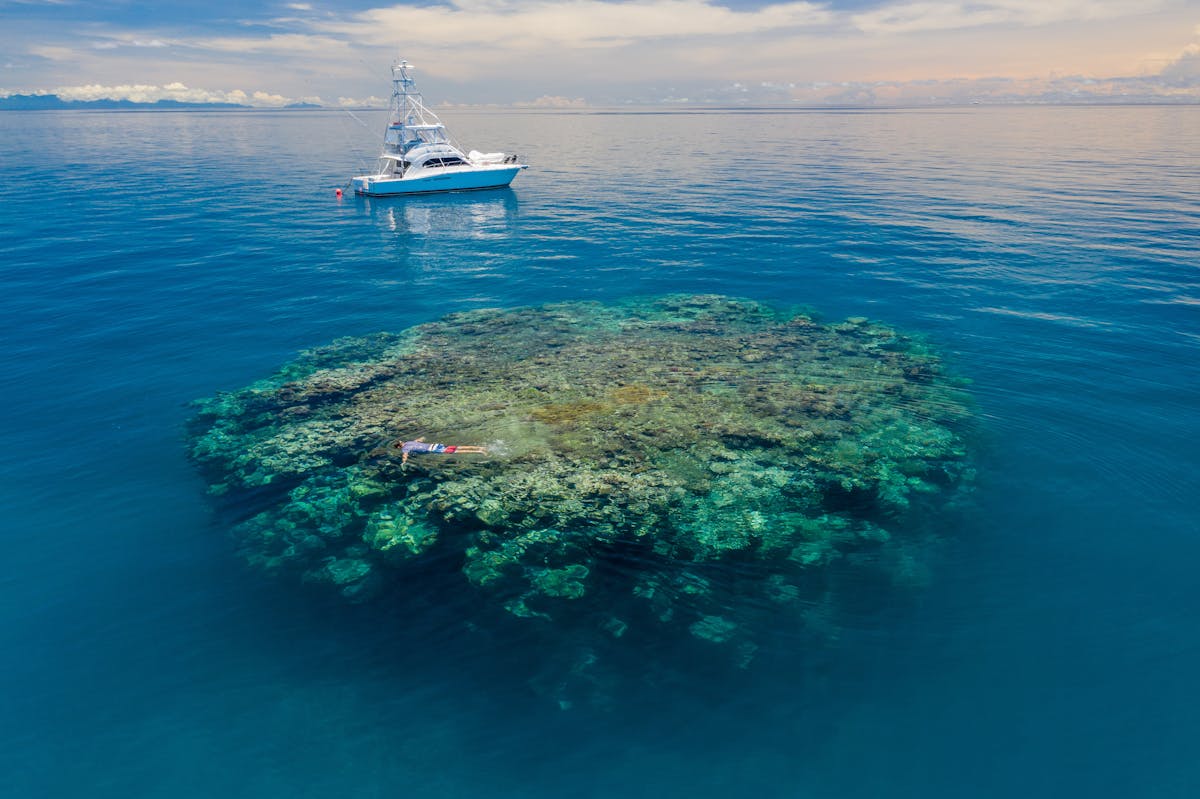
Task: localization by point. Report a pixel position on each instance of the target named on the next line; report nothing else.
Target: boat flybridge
(418, 155)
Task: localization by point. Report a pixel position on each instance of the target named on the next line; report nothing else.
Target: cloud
(913, 17)
(112, 44)
(1075, 89)
(548, 101)
(151, 93)
(53, 52)
(864, 51)
(1184, 71)
(571, 24)
(288, 44)
(366, 102)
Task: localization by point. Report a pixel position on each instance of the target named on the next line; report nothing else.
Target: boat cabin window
(449, 160)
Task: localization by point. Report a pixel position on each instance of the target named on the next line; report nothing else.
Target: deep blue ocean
(151, 259)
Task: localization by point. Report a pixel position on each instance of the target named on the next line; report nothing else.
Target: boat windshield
(429, 134)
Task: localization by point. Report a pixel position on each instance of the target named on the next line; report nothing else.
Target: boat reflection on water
(481, 215)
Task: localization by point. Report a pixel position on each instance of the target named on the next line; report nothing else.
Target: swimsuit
(421, 446)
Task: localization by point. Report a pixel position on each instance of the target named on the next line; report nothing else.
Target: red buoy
(339, 193)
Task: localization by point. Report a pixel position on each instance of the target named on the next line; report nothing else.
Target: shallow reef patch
(698, 466)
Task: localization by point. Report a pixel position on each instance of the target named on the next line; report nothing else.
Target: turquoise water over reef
(1049, 254)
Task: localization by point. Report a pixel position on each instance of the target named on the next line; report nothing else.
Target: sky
(597, 52)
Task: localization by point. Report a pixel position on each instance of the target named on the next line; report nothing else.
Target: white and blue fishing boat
(419, 157)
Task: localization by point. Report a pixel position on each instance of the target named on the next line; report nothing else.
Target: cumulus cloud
(554, 101)
(1184, 71)
(1072, 89)
(151, 93)
(365, 102)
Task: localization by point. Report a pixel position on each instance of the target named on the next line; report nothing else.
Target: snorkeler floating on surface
(419, 446)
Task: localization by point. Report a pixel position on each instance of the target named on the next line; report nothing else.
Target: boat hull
(436, 181)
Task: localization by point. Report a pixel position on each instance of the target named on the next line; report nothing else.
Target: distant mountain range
(44, 102)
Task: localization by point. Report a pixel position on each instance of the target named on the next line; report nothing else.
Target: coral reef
(697, 464)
